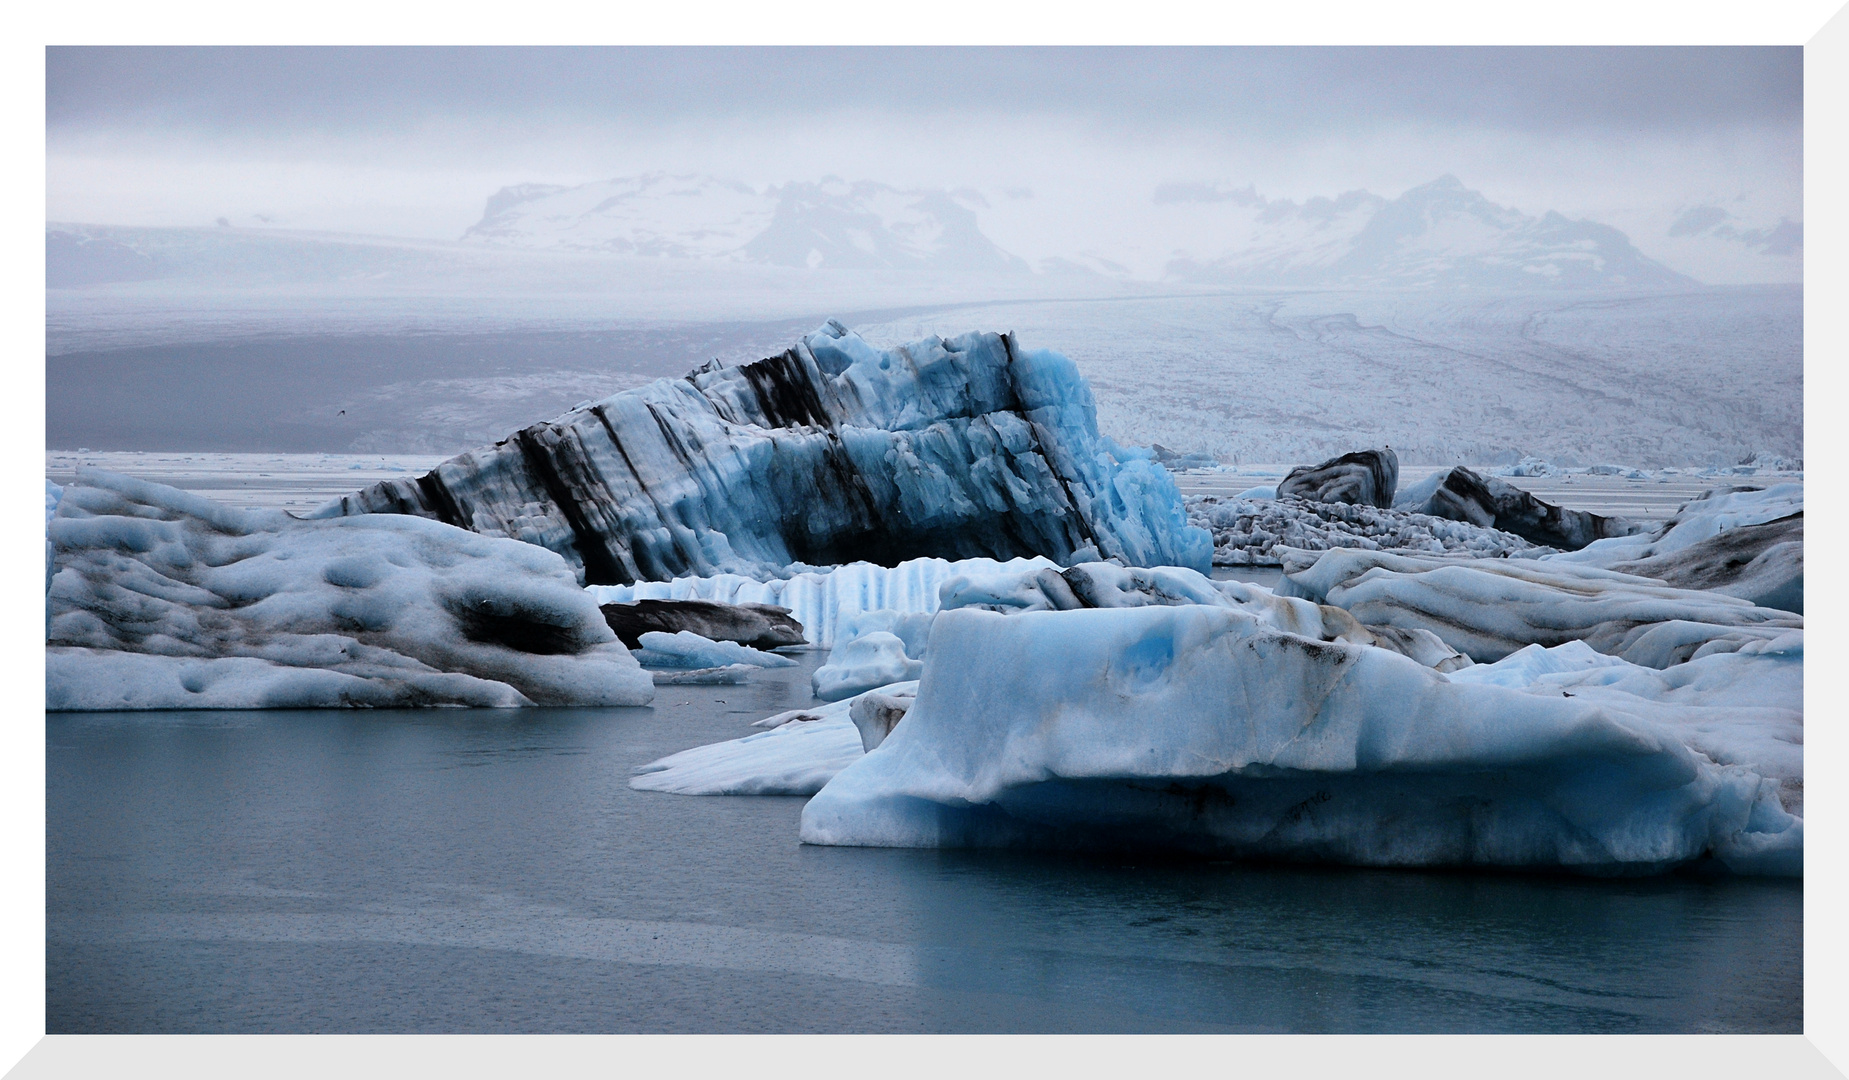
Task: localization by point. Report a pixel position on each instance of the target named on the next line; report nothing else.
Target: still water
(486, 870)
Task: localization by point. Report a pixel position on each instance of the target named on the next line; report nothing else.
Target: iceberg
(873, 659)
(165, 600)
(1202, 729)
(832, 452)
(1463, 495)
(1365, 477)
(761, 626)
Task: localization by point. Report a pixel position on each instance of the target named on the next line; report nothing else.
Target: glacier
(163, 599)
(832, 452)
(1202, 729)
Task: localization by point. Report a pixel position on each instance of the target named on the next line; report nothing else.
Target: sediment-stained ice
(1489, 502)
(1365, 478)
(1201, 728)
(166, 600)
(832, 452)
(761, 626)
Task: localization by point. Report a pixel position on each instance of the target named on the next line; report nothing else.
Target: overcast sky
(412, 142)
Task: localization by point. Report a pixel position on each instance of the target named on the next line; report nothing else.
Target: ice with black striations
(1259, 532)
(761, 626)
(830, 452)
(1464, 495)
(1365, 477)
(163, 599)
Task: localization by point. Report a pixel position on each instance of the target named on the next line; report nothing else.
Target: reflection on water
(479, 870)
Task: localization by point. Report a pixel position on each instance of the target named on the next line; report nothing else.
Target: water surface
(490, 870)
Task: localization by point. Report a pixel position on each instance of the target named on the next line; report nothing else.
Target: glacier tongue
(832, 452)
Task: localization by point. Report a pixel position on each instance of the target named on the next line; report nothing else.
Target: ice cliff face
(829, 453)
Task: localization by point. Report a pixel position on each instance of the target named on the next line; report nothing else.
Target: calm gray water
(483, 870)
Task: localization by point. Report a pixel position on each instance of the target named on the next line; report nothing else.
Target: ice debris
(832, 452)
(166, 600)
(1258, 532)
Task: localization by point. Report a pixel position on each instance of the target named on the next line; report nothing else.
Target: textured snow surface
(823, 600)
(1202, 728)
(1255, 531)
(832, 452)
(1489, 608)
(165, 600)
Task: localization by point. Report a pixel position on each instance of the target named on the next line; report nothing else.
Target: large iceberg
(166, 600)
(1201, 728)
(832, 452)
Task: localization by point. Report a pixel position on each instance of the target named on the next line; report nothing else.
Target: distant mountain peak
(1440, 233)
(832, 222)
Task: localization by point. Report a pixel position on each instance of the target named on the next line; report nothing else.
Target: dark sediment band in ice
(831, 452)
(761, 626)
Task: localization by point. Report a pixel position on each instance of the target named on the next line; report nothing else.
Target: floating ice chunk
(1263, 491)
(166, 600)
(796, 757)
(871, 660)
(1199, 728)
(761, 626)
(686, 649)
(1248, 532)
(823, 600)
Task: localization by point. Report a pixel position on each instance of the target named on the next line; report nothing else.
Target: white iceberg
(165, 600)
(873, 659)
(1201, 728)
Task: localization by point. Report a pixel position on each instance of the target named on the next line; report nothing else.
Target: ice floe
(829, 453)
(166, 600)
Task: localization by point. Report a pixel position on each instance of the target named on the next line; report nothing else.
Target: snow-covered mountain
(1441, 233)
(835, 223)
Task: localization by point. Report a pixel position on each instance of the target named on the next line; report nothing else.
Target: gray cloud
(1235, 90)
